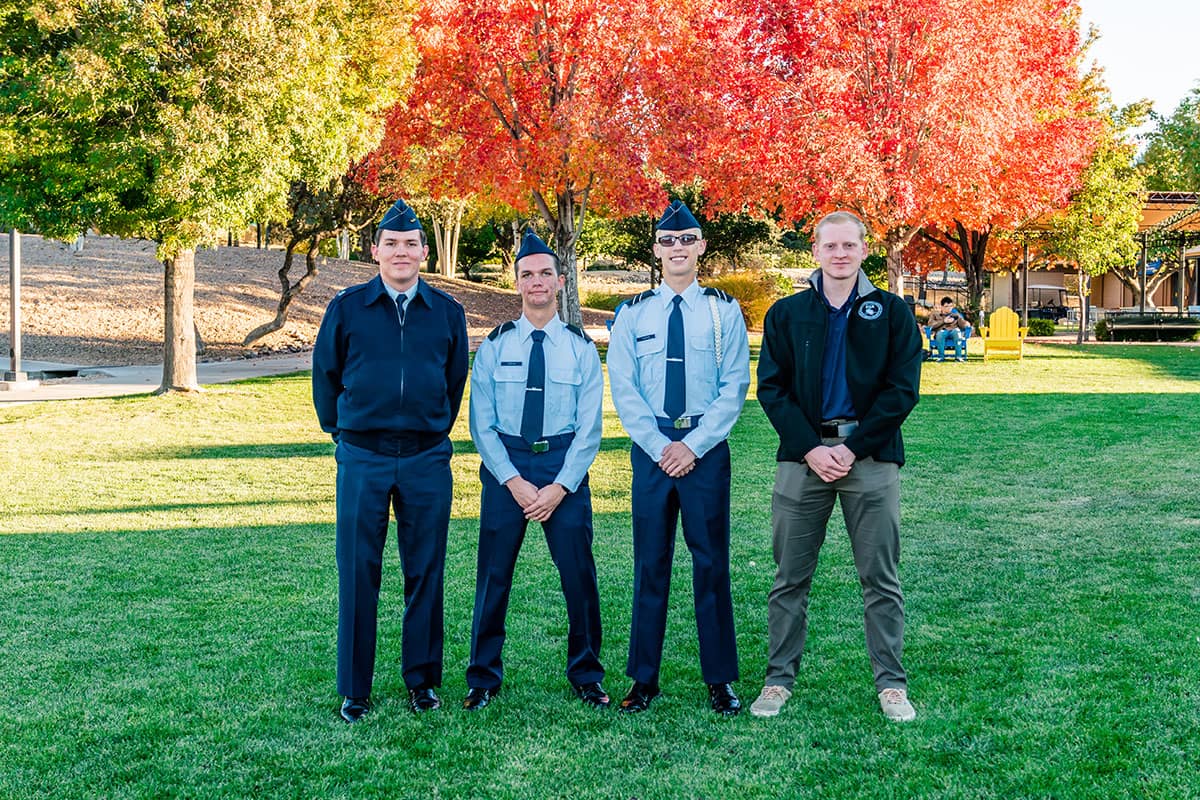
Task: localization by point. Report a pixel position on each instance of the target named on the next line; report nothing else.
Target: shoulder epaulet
(443, 294)
(580, 332)
(711, 292)
(633, 301)
(501, 328)
(358, 287)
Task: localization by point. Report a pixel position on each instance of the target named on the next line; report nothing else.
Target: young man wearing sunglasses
(679, 368)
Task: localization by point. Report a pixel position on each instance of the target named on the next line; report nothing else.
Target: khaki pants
(800, 509)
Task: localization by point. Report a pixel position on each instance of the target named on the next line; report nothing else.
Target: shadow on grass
(1175, 360)
(151, 508)
(262, 450)
(466, 446)
(463, 446)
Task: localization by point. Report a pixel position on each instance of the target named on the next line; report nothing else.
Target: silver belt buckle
(540, 446)
(844, 429)
(682, 424)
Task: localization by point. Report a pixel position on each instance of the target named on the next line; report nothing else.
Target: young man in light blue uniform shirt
(679, 368)
(537, 392)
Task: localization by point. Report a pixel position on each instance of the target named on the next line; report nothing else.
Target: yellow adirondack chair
(1003, 337)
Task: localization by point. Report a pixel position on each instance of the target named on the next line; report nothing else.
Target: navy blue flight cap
(400, 218)
(677, 217)
(531, 243)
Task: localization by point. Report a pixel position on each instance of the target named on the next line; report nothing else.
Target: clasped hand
(677, 460)
(538, 504)
(830, 463)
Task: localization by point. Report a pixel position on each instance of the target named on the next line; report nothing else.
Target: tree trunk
(565, 228)
(446, 229)
(570, 308)
(894, 243)
(289, 291)
(1134, 282)
(1083, 288)
(179, 331)
(968, 248)
(895, 262)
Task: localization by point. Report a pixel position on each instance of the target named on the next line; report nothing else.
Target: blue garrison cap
(400, 218)
(531, 243)
(677, 217)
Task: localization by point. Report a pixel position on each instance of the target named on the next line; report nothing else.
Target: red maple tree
(555, 106)
(927, 112)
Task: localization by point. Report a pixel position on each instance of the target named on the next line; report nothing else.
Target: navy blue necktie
(535, 396)
(401, 299)
(675, 401)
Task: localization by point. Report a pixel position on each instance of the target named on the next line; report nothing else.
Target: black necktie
(400, 301)
(535, 396)
(675, 401)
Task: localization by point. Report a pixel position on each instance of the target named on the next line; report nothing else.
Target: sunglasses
(669, 241)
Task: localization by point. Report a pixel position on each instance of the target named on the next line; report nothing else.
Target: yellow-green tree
(171, 120)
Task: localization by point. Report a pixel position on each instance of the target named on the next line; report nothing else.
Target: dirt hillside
(103, 306)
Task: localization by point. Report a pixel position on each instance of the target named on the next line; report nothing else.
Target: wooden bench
(1172, 322)
(1003, 336)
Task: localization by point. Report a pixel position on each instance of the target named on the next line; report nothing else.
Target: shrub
(603, 301)
(754, 291)
(1102, 334)
(1041, 327)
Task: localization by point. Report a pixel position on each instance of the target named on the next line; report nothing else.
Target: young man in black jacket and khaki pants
(838, 373)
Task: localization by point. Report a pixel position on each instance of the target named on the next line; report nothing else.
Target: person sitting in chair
(947, 324)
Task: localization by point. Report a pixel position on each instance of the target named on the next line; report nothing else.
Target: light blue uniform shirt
(574, 397)
(637, 368)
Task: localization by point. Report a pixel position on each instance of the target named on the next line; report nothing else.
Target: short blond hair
(840, 218)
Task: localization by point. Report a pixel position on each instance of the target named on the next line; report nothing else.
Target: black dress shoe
(478, 698)
(355, 708)
(423, 699)
(592, 694)
(639, 697)
(723, 700)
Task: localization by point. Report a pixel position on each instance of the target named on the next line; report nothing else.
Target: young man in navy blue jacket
(389, 368)
(838, 373)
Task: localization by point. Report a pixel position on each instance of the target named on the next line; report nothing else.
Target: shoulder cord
(716, 317)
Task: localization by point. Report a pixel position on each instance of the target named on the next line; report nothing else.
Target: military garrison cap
(531, 243)
(677, 217)
(400, 218)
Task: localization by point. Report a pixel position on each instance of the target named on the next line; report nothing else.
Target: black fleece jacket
(883, 369)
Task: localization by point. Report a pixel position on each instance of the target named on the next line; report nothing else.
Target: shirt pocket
(510, 390)
(562, 389)
(702, 356)
(648, 343)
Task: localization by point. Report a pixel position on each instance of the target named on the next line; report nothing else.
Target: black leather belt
(404, 443)
(838, 428)
(544, 445)
(681, 424)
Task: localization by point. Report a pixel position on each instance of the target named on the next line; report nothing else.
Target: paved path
(119, 381)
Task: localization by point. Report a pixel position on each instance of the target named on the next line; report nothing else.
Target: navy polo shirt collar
(376, 289)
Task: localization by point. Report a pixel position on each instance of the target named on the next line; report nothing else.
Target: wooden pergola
(1171, 219)
(1168, 219)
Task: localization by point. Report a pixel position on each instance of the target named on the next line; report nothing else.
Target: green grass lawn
(168, 604)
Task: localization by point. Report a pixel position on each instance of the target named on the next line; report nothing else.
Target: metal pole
(1142, 283)
(14, 378)
(1182, 295)
(1025, 282)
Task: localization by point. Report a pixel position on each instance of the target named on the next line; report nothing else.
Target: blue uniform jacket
(574, 393)
(637, 366)
(370, 374)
